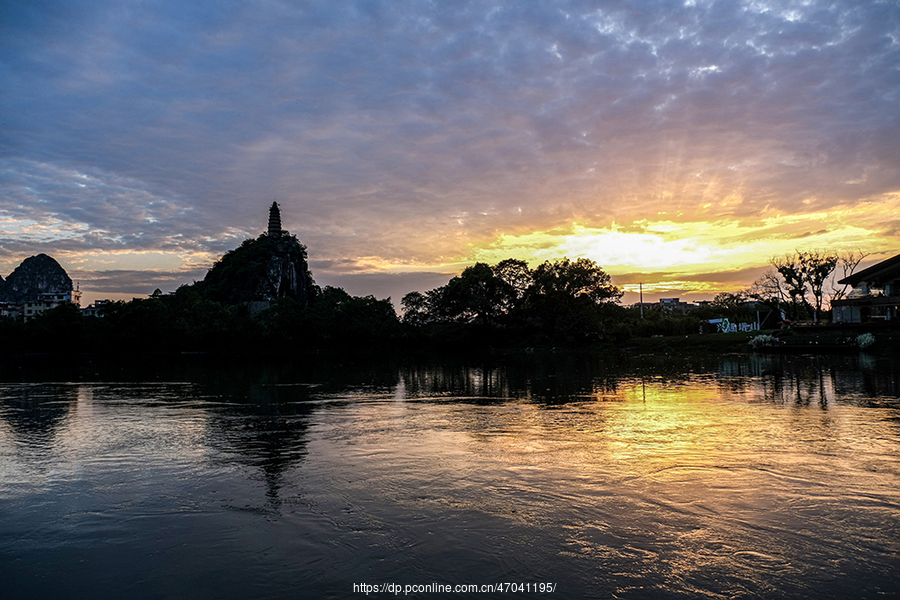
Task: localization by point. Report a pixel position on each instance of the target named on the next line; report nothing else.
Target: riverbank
(806, 340)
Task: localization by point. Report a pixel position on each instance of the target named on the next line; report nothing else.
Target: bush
(762, 341)
(865, 340)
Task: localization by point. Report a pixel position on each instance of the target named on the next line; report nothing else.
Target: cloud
(142, 282)
(416, 133)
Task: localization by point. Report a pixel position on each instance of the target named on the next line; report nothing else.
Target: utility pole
(641, 287)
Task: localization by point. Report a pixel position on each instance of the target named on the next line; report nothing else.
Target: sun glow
(672, 254)
(676, 286)
(688, 248)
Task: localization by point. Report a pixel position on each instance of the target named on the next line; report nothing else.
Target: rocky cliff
(36, 275)
(260, 270)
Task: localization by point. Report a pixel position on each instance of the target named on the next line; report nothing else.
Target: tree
(816, 267)
(847, 262)
(805, 273)
(475, 295)
(788, 266)
(581, 278)
(480, 293)
(335, 317)
(64, 321)
(515, 274)
(770, 290)
(564, 301)
(732, 305)
(415, 309)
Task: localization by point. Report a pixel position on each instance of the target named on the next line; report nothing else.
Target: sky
(680, 145)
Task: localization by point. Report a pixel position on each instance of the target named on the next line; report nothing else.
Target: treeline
(558, 303)
(187, 321)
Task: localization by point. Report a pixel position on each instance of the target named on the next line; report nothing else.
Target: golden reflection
(683, 473)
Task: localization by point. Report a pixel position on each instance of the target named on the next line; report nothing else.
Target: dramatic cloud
(405, 137)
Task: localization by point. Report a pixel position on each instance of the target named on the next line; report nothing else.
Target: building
(275, 229)
(10, 310)
(96, 309)
(675, 305)
(669, 305)
(48, 300)
(875, 297)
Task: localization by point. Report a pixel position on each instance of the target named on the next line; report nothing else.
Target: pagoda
(275, 229)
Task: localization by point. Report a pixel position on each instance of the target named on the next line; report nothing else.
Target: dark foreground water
(741, 477)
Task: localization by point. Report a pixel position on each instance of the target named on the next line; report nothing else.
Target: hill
(35, 275)
(260, 270)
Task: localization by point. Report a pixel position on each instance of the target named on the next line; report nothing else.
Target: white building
(48, 300)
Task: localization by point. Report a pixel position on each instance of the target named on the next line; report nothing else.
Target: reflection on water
(34, 412)
(770, 378)
(265, 430)
(738, 477)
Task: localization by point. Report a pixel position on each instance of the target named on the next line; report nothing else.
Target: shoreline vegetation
(555, 373)
(150, 331)
(261, 299)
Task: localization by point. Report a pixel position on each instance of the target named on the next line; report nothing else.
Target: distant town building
(96, 309)
(675, 305)
(11, 310)
(669, 305)
(48, 300)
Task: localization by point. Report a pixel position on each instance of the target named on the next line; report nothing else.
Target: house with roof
(875, 297)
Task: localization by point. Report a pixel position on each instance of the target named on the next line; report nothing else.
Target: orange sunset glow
(679, 146)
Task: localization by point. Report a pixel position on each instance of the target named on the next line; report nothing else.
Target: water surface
(734, 477)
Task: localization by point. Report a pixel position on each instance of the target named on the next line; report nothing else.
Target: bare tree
(769, 288)
(847, 262)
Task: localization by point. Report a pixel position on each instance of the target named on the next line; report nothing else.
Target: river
(568, 476)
